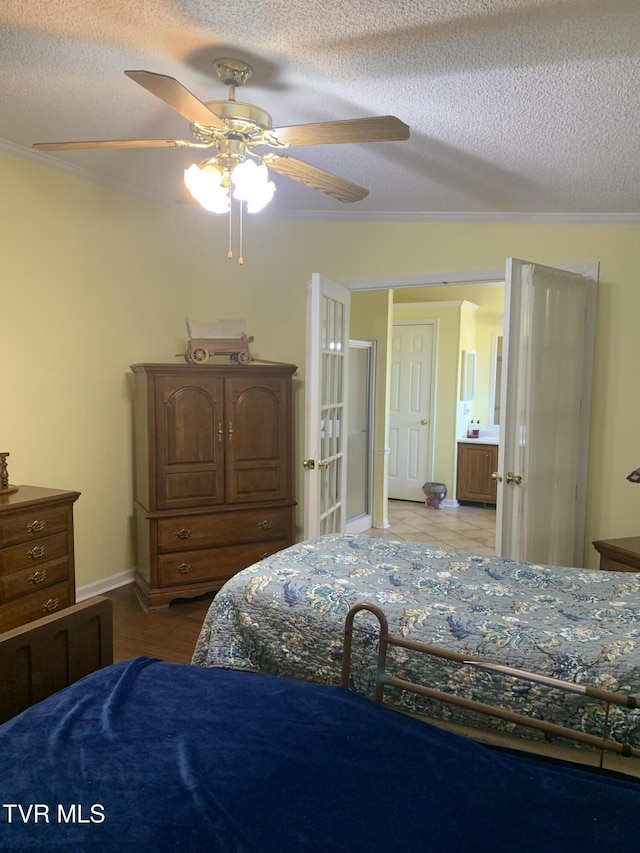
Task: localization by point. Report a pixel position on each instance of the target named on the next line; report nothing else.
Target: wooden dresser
(214, 475)
(37, 574)
(619, 555)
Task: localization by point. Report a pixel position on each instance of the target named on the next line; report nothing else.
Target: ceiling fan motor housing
(245, 119)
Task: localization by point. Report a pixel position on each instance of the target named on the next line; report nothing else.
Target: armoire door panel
(256, 462)
(180, 486)
(256, 483)
(190, 441)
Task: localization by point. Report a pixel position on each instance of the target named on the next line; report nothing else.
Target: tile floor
(468, 528)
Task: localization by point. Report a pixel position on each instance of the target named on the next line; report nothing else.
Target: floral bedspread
(285, 616)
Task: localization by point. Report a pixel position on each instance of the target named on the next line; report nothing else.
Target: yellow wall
(93, 281)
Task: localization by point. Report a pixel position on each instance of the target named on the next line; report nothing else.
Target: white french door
(325, 485)
(546, 396)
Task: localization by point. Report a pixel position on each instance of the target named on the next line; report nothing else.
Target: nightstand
(619, 555)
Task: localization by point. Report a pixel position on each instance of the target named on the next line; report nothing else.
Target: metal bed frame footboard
(608, 698)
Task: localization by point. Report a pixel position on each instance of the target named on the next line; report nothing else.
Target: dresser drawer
(35, 577)
(213, 564)
(198, 531)
(33, 606)
(34, 554)
(24, 526)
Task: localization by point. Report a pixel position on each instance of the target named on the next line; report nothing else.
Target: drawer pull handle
(50, 605)
(36, 552)
(184, 568)
(183, 534)
(266, 525)
(36, 526)
(230, 431)
(38, 577)
(220, 432)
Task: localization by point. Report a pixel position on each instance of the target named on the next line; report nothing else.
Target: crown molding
(49, 162)
(461, 216)
(126, 188)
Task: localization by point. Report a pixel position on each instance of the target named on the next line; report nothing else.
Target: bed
(149, 755)
(283, 616)
(48, 654)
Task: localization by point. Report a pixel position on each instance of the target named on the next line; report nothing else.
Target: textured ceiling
(515, 106)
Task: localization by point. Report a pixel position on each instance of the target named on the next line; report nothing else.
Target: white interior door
(410, 431)
(325, 407)
(545, 396)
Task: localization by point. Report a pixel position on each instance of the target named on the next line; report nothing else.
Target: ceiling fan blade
(317, 179)
(376, 129)
(116, 143)
(173, 93)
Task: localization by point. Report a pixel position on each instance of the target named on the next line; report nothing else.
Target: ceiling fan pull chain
(230, 252)
(240, 258)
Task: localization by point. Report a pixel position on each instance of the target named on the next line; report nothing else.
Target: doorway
(587, 272)
(412, 374)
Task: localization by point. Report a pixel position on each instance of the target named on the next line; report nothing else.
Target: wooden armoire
(213, 491)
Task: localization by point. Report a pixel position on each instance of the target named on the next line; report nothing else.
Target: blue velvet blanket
(150, 756)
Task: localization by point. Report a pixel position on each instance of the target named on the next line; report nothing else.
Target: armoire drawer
(32, 524)
(33, 554)
(33, 606)
(222, 528)
(28, 580)
(214, 563)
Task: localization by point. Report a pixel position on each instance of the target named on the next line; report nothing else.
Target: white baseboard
(88, 590)
(359, 525)
(382, 525)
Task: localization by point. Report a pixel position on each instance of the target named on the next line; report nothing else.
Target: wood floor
(169, 634)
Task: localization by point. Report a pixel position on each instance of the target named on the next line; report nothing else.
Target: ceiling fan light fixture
(207, 184)
(251, 184)
(234, 129)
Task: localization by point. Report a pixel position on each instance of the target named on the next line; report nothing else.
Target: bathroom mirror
(468, 377)
(496, 378)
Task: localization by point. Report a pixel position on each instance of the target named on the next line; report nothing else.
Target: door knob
(425, 421)
(513, 478)
(323, 463)
(496, 476)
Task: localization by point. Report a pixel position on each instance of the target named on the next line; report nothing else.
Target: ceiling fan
(234, 129)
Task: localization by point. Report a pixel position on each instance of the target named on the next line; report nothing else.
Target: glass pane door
(325, 409)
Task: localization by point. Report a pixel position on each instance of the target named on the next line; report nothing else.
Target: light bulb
(252, 184)
(205, 185)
